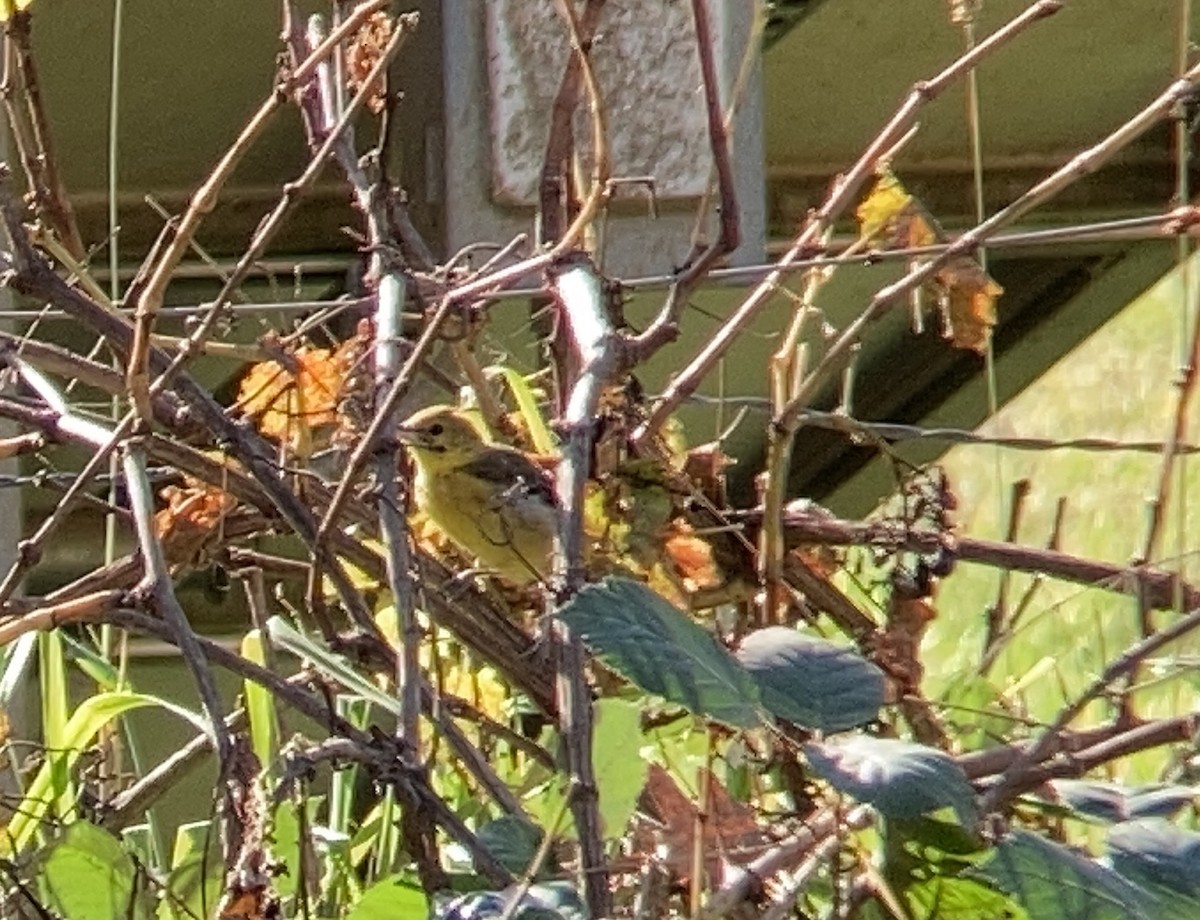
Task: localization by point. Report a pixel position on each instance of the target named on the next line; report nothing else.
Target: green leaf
(196, 875)
(902, 780)
(512, 842)
(390, 898)
(88, 876)
(658, 648)
(812, 682)
(942, 898)
(1114, 802)
(547, 901)
(94, 665)
(14, 662)
(78, 733)
(260, 704)
(540, 435)
(1162, 859)
(285, 832)
(620, 770)
(1055, 883)
(284, 635)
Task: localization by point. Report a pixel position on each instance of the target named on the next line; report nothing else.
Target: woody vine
(685, 622)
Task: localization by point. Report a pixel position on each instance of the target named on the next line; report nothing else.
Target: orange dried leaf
(967, 297)
(288, 406)
(191, 518)
(693, 559)
(365, 50)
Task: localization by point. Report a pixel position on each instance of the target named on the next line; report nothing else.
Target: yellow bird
(493, 502)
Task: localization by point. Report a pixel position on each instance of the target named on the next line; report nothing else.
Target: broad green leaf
(260, 704)
(1053, 882)
(512, 842)
(1164, 860)
(78, 733)
(657, 647)
(945, 837)
(901, 779)
(390, 899)
(812, 682)
(1114, 802)
(942, 898)
(88, 876)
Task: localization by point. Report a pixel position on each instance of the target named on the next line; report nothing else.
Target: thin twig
(665, 326)
(50, 195)
(1082, 164)
(205, 199)
(1001, 794)
(845, 188)
(1159, 587)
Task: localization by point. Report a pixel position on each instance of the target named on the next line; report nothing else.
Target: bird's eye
(437, 429)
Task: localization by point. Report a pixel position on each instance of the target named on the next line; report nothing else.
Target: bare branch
(840, 197)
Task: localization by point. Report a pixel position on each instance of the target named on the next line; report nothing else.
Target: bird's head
(441, 436)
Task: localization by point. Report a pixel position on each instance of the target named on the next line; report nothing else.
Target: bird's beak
(408, 435)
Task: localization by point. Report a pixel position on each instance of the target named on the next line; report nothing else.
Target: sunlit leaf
(9, 7)
(289, 400)
(1164, 860)
(390, 898)
(620, 771)
(89, 876)
(1053, 882)
(886, 200)
(287, 637)
(658, 648)
(540, 435)
(1114, 802)
(967, 297)
(260, 704)
(193, 882)
(901, 779)
(812, 682)
(890, 217)
(77, 735)
(941, 898)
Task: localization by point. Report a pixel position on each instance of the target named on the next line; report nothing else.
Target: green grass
(1116, 385)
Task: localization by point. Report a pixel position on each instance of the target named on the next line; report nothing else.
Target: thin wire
(1126, 230)
(895, 431)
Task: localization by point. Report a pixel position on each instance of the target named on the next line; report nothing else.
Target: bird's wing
(511, 469)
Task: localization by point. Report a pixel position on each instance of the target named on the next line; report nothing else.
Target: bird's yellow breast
(508, 528)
